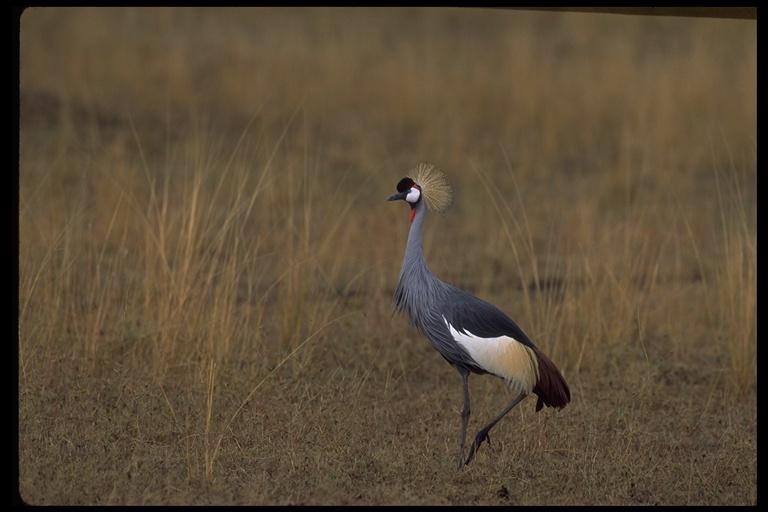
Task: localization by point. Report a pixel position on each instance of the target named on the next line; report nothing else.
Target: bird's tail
(551, 387)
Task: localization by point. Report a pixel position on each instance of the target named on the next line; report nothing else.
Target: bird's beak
(399, 195)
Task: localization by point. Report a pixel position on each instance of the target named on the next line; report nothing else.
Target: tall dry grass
(149, 272)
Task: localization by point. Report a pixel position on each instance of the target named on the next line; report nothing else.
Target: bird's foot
(481, 436)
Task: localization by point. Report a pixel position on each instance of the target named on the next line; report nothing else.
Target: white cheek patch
(503, 356)
(413, 195)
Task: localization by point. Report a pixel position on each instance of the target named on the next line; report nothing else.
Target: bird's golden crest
(435, 189)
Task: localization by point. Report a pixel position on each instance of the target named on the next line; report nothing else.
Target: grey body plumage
(471, 334)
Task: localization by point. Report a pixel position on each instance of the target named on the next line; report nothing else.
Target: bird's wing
(471, 314)
(492, 341)
(496, 344)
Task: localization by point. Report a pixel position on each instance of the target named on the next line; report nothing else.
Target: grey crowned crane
(471, 334)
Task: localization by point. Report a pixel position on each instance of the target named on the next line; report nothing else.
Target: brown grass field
(207, 259)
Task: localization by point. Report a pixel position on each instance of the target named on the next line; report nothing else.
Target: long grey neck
(414, 264)
(417, 286)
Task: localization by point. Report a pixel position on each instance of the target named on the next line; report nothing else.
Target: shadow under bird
(471, 334)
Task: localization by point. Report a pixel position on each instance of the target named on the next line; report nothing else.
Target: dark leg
(464, 415)
(483, 434)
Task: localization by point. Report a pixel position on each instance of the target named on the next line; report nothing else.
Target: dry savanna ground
(207, 259)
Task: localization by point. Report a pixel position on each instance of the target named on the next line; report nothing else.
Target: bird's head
(408, 191)
(428, 182)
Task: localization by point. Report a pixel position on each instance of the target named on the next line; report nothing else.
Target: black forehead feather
(404, 184)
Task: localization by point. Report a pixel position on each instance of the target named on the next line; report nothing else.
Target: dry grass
(206, 259)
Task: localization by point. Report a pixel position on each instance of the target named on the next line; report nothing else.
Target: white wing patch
(503, 356)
